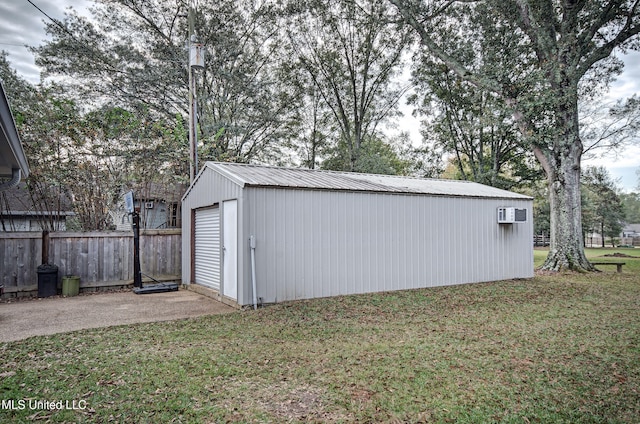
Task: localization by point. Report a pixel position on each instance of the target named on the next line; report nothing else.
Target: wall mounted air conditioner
(511, 215)
(148, 205)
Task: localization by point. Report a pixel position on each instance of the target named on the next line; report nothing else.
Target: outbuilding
(301, 233)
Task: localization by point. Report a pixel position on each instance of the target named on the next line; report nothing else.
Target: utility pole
(192, 126)
(196, 61)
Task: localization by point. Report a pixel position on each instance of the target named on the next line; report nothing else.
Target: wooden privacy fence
(100, 259)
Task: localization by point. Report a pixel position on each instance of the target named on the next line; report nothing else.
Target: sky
(21, 23)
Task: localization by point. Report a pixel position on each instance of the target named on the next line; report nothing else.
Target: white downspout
(252, 243)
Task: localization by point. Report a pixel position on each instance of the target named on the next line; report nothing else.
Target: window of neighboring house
(173, 215)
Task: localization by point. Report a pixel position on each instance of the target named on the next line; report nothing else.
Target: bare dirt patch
(619, 255)
(295, 402)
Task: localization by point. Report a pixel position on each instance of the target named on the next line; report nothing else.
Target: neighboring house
(631, 230)
(13, 162)
(630, 235)
(21, 210)
(266, 234)
(159, 205)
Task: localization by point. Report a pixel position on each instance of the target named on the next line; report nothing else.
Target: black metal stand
(156, 288)
(137, 273)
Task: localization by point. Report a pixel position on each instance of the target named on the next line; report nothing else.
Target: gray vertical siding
(326, 243)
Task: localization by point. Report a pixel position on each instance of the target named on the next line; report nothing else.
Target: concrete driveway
(25, 318)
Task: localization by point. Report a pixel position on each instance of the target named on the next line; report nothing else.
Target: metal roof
(270, 176)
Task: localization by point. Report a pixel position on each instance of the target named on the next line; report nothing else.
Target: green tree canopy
(603, 211)
(347, 54)
(133, 55)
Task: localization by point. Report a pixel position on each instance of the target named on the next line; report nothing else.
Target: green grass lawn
(632, 261)
(551, 349)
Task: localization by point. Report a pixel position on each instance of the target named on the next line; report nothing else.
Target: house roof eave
(12, 156)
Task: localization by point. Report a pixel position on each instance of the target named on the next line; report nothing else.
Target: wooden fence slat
(96, 257)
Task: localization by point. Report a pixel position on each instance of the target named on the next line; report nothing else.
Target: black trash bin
(47, 280)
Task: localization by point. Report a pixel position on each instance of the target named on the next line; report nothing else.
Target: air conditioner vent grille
(511, 215)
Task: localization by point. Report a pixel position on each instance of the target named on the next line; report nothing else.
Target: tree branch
(630, 30)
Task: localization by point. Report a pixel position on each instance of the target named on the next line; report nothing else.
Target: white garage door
(207, 254)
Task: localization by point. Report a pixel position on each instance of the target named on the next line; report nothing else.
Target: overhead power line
(54, 20)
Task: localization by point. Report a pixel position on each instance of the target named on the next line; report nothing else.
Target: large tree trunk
(561, 162)
(566, 242)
